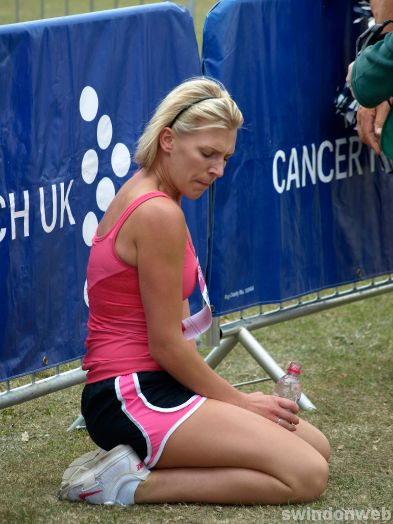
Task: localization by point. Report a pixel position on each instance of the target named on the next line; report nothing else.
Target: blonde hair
(198, 103)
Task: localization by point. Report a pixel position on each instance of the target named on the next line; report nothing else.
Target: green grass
(347, 357)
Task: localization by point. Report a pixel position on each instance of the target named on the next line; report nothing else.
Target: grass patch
(347, 358)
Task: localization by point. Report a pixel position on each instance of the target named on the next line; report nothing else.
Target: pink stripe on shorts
(150, 409)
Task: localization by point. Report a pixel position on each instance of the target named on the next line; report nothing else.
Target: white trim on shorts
(173, 428)
(134, 421)
(157, 408)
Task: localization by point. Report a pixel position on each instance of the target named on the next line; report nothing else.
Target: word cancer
(304, 165)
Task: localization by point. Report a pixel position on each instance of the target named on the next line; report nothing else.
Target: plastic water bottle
(289, 385)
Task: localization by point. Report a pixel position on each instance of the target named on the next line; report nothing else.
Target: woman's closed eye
(208, 154)
(213, 154)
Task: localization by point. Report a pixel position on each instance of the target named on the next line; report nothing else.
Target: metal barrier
(179, 33)
(232, 332)
(237, 330)
(240, 330)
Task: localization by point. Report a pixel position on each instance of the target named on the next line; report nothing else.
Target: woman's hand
(278, 409)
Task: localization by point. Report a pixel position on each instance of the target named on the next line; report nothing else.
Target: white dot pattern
(85, 295)
(105, 193)
(120, 163)
(89, 166)
(104, 132)
(89, 228)
(121, 160)
(88, 104)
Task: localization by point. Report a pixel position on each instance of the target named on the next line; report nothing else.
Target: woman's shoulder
(158, 204)
(162, 214)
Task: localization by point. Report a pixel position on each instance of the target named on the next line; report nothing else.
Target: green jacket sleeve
(372, 73)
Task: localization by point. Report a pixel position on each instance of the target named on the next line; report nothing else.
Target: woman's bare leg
(225, 454)
(314, 437)
(213, 486)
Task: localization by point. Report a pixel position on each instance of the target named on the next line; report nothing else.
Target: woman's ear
(166, 139)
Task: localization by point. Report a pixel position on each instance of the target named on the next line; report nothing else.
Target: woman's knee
(315, 437)
(311, 480)
(324, 447)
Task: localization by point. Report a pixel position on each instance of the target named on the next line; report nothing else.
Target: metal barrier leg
(218, 353)
(79, 423)
(271, 367)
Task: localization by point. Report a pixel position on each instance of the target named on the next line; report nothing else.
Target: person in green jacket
(371, 81)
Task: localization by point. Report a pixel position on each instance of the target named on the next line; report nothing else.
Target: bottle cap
(294, 367)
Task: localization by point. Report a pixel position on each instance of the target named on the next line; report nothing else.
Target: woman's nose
(217, 169)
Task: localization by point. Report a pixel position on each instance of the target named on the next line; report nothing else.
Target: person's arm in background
(372, 73)
(370, 120)
(382, 10)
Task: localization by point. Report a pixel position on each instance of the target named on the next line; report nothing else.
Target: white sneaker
(100, 476)
(82, 464)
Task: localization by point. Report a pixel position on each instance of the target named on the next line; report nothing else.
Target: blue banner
(303, 204)
(76, 93)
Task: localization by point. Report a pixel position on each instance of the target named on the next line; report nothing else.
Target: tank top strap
(131, 208)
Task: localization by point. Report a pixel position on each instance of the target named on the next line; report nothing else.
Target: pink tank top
(117, 341)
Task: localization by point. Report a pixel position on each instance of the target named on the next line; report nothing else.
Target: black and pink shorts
(141, 409)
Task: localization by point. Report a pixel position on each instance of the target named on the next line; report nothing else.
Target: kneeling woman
(170, 429)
